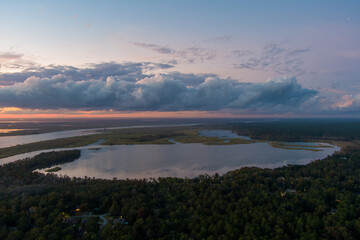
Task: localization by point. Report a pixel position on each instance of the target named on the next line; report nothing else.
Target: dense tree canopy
(297, 130)
(317, 201)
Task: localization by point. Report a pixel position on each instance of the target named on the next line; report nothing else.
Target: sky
(179, 58)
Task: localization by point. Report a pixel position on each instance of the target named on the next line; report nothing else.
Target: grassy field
(297, 147)
(294, 146)
(192, 136)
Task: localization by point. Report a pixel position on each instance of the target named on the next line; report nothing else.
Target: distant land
(316, 200)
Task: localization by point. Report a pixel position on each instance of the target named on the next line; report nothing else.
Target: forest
(300, 129)
(320, 200)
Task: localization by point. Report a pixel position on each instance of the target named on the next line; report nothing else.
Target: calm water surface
(174, 160)
(182, 160)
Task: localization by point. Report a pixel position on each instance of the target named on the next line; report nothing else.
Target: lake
(172, 160)
(183, 160)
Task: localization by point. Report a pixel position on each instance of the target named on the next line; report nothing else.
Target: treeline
(71, 142)
(21, 172)
(320, 200)
(295, 130)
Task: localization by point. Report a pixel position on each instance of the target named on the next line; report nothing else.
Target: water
(182, 160)
(177, 160)
(8, 141)
(34, 153)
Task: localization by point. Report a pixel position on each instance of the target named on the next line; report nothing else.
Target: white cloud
(124, 87)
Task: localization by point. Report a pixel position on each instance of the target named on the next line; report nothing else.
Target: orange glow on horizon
(14, 112)
(94, 114)
(9, 109)
(18, 113)
(11, 113)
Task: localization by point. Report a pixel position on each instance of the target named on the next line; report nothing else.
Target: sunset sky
(180, 58)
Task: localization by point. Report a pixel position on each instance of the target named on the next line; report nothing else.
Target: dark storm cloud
(273, 57)
(126, 87)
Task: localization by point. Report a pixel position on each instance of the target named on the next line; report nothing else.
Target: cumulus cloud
(189, 79)
(273, 57)
(125, 71)
(125, 87)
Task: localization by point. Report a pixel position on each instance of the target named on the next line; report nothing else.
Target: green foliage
(21, 172)
(298, 130)
(249, 203)
(115, 210)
